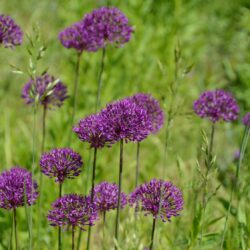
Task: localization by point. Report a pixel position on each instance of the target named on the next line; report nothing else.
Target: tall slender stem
(41, 175)
(208, 166)
(137, 164)
(75, 95)
(103, 230)
(59, 228)
(15, 228)
(73, 238)
(243, 146)
(152, 234)
(119, 193)
(92, 194)
(98, 95)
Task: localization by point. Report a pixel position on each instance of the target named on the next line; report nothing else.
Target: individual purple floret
(72, 210)
(46, 89)
(246, 120)
(11, 34)
(17, 188)
(152, 106)
(107, 25)
(61, 164)
(92, 129)
(217, 105)
(126, 121)
(106, 197)
(147, 197)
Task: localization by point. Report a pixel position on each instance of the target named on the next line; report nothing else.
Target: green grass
(212, 38)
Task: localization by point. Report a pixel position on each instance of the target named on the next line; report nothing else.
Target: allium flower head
(17, 188)
(72, 210)
(106, 196)
(11, 34)
(126, 120)
(92, 129)
(246, 120)
(217, 105)
(107, 25)
(148, 197)
(61, 164)
(152, 106)
(45, 89)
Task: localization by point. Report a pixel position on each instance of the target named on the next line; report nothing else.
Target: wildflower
(46, 90)
(11, 34)
(17, 188)
(217, 105)
(159, 198)
(61, 164)
(246, 120)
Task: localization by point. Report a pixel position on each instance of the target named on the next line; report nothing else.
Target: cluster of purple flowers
(217, 105)
(129, 119)
(11, 34)
(17, 188)
(61, 164)
(160, 198)
(96, 30)
(46, 90)
(246, 120)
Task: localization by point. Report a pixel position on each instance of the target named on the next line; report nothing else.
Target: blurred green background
(211, 40)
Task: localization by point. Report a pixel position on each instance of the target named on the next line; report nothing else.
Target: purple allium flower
(92, 129)
(152, 106)
(72, 210)
(237, 155)
(17, 188)
(107, 25)
(46, 89)
(106, 196)
(11, 34)
(216, 105)
(246, 120)
(126, 120)
(149, 195)
(61, 163)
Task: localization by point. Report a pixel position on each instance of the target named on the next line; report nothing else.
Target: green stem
(152, 234)
(103, 230)
(98, 95)
(73, 238)
(43, 128)
(15, 228)
(92, 194)
(137, 164)
(77, 68)
(208, 160)
(119, 193)
(243, 146)
(59, 228)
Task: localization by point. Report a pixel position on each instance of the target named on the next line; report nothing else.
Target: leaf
(214, 220)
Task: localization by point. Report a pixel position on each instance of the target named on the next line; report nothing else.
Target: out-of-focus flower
(126, 120)
(72, 210)
(246, 120)
(46, 90)
(217, 105)
(152, 106)
(17, 188)
(106, 197)
(11, 34)
(160, 198)
(61, 164)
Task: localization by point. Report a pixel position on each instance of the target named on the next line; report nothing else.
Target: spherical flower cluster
(72, 210)
(11, 34)
(159, 198)
(17, 188)
(246, 120)
(92, 129)
(152, 106)
(45, 89)
(217, 105)
(126, 121)
(61, 164)
(106, 196)
(96, 30)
